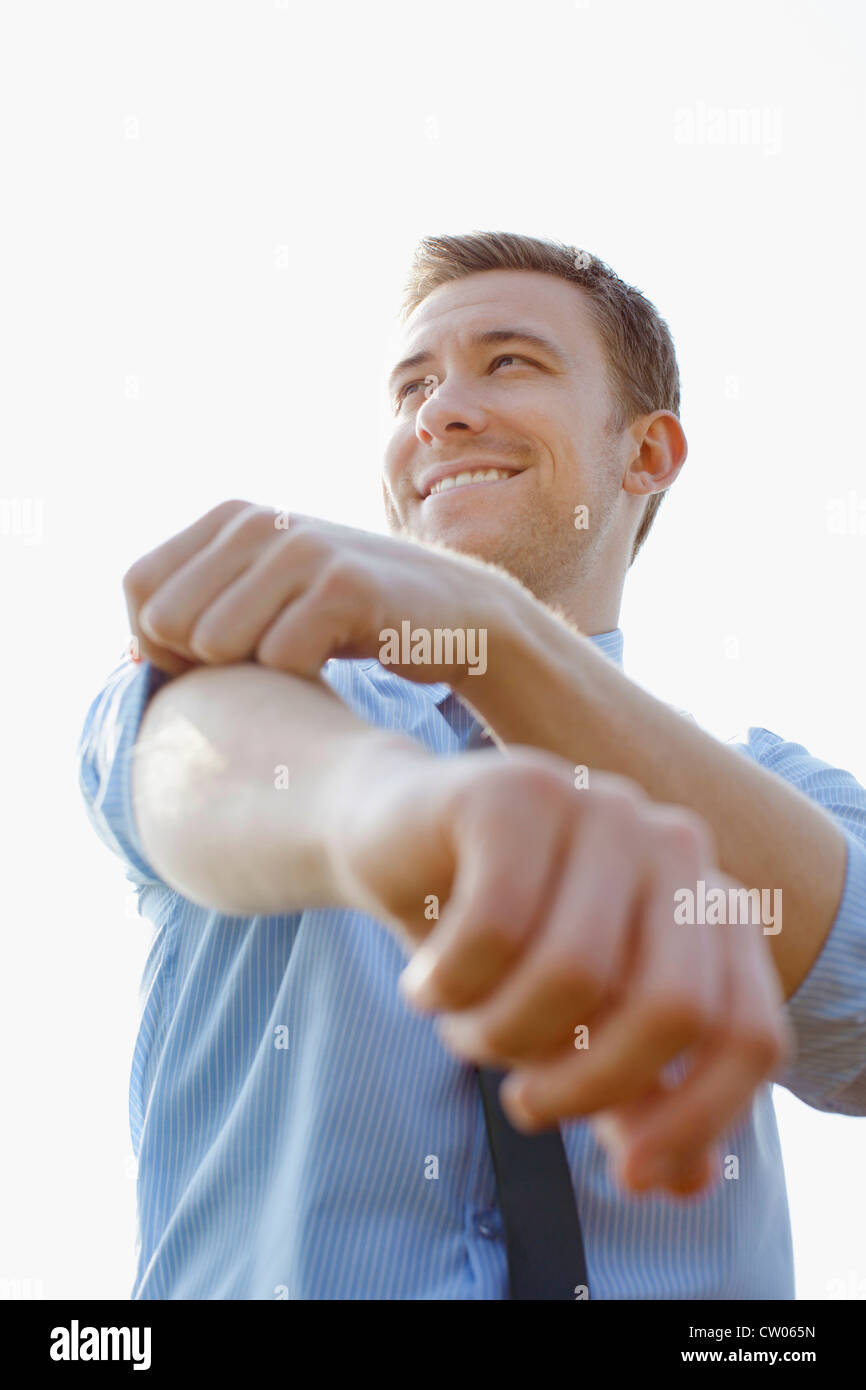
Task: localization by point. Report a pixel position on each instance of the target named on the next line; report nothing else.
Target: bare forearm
(236, 775)
(549, 687)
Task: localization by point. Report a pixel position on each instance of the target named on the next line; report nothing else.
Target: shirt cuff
(105, 754)
(828, 1010)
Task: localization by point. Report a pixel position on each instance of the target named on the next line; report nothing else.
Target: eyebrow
(493, 335)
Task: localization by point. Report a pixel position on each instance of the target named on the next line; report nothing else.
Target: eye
(503, 357)
(401, 394)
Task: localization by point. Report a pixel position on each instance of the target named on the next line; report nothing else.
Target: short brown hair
(642, 367)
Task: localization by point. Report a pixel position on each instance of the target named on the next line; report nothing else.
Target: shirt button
(487, 1225)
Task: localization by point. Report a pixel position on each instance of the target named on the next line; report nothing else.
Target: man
(276, 771)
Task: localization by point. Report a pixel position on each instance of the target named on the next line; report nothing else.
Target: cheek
(391, 485)
(551, 437)
(561, 457)
(395, 462)
(391, 516)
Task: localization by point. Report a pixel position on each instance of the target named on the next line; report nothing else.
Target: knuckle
(340, 580)
(622, 810)
(683, 832)
(252, 524)
(674, 1012)
(575, 977)
(136, 580)
(304, 527)
(619, 791)
(231, 508)
(496, 933)
(305, 538)
(542, 784)
(764, 1047)
(226, 513)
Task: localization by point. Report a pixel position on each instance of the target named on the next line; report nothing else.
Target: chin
(480, 545)
(466, 532)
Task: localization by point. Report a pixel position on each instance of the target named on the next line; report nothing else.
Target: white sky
(210, 211)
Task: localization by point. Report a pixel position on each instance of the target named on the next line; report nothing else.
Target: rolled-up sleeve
(828, 1010)
(104, 761)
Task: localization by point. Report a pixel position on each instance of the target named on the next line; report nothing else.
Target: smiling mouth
(479, 478)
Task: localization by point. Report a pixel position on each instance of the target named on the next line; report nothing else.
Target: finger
(172, 612)
(144, 577)
(613, 1129)
(673, 996)
(727, 1071)
(496, 900)
(573, 962)
(232, 625)
(694, 1177)
(331, 617)
(142, 649)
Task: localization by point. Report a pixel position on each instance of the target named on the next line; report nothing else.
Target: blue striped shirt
(301, 1133)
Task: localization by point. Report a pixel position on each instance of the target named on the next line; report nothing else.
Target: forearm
(549, 687)
(238, 776)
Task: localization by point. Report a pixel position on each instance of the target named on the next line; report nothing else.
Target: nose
(446, 410)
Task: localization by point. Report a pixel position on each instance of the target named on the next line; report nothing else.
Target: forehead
(493, 298)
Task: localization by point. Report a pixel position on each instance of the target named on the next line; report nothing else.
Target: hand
(559, 913)
(249, 583)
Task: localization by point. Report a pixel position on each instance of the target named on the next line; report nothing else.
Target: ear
(660, 452)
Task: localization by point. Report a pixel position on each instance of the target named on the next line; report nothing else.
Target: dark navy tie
(543, 1239)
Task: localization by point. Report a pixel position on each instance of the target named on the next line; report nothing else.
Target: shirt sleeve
(104, 752)
(828, 1010)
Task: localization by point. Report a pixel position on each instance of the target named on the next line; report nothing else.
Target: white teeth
(488, 475)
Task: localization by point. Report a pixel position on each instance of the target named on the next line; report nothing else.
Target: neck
(592, 607)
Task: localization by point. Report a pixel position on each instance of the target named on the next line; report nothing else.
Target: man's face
(539, 412)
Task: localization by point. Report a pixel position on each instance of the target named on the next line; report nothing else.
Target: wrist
(373, 769)
(534, 658)
(501, 611)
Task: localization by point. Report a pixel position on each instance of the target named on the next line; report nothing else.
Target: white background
(209, 214)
